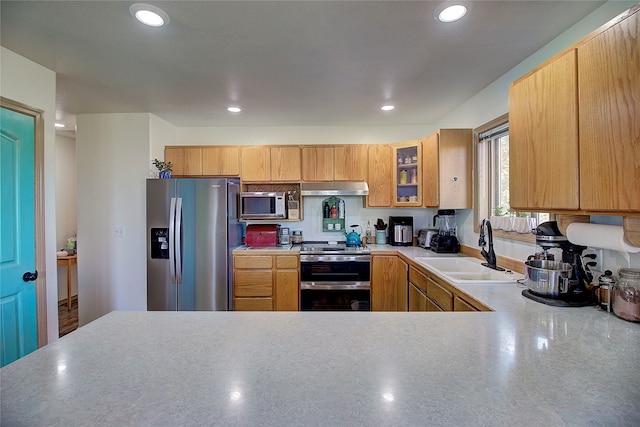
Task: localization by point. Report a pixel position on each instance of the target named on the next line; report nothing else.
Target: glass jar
(626, 295)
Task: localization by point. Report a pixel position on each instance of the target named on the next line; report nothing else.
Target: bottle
(341, 209)
(334, 211)
(327, 210)
(368, 233)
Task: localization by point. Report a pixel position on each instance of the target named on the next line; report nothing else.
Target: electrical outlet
(118, 231)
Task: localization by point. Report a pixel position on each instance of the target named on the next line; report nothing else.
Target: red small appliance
(261, 235)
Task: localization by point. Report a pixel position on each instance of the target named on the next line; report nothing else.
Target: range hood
(334, 188)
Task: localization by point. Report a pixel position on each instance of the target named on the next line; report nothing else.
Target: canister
(626, 295)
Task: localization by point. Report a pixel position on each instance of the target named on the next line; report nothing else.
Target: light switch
(118, 231)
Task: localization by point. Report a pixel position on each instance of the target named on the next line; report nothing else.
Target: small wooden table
(68, 261)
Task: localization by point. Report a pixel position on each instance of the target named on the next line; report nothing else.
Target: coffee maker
(401, 230)
(549, 236)
(446, 240)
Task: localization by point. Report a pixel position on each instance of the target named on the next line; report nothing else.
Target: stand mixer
(548, 236)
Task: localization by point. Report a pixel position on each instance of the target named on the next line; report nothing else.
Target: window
(492, 189)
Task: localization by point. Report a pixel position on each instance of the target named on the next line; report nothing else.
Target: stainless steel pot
(548, 278)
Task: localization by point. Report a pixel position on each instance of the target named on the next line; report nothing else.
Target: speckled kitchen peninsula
(525, 364)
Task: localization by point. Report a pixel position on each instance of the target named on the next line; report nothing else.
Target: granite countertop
(524, 364)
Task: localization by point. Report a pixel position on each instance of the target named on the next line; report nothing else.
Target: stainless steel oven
(335, 277)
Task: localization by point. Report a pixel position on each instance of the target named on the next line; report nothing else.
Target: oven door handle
(338, 286)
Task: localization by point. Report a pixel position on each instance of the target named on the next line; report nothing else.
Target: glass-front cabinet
(407, 173)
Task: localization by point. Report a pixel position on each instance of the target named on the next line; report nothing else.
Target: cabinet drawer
(287, 261)
(418, 279)
(253, 304)
(253, 262)
(439, 295)
(253, 283)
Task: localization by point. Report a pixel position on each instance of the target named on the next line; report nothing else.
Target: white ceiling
(287, 63)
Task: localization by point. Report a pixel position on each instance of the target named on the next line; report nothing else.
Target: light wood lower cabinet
(265, 282)
(388, 283)
(430, 293)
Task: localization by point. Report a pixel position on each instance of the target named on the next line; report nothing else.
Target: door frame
(38, 171)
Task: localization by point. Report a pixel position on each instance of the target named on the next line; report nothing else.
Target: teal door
(18, 315)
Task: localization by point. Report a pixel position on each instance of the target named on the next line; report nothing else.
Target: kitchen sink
(467, 270)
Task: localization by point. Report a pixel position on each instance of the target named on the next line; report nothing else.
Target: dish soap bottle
(368, 234)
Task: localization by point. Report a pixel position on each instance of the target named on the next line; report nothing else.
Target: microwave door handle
(172, 227)
(178, 241)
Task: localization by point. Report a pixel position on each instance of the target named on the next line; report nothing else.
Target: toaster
(424, 237)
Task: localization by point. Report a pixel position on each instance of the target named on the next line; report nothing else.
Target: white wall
(66, 207)
(113, 155)
(26, 82)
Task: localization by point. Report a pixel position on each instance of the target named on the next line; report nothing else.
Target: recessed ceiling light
(450, 11)
(59, 125)
(234, 109)
(149, 15)
(387, 107)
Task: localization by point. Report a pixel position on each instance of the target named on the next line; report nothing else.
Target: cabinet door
(379, 175)
(455, 166)
(317, 164)
(350, 163)
(285, 164)
(388, 284)
(185, 161)
(543, 137)
(221, 161)
(407, 173)
(430, 171)
(256, 164)
(609, 85)
(287, 290)
(417, 299)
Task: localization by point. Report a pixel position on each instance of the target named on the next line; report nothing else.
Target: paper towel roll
(603, 236)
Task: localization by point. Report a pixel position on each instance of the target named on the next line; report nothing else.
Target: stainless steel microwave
(262, 205)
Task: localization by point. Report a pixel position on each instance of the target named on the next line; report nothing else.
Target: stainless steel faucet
(491, 255)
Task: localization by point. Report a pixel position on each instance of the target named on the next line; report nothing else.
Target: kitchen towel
(603, 236)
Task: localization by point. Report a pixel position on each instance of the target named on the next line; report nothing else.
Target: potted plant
(164, 168)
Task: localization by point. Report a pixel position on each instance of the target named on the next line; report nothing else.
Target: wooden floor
(67, 320)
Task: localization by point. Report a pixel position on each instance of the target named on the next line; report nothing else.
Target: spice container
(626, 295)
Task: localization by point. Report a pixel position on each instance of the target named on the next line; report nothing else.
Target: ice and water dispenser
(159, 243)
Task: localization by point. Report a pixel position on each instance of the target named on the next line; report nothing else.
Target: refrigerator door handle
(178, 240)
(172, 252)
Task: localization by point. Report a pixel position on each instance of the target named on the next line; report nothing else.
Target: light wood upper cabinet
(543, 137)
(256, 163)
(389, 291)
(270, 163)
(186, 161)
(379, 175)
(285, 163)
(447, 165)
(317, 163)
(334, 163)
(609, 105)
(406, 175)
(221, 161)
(350, 162)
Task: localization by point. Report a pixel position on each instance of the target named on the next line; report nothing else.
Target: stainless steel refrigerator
(192, 226)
